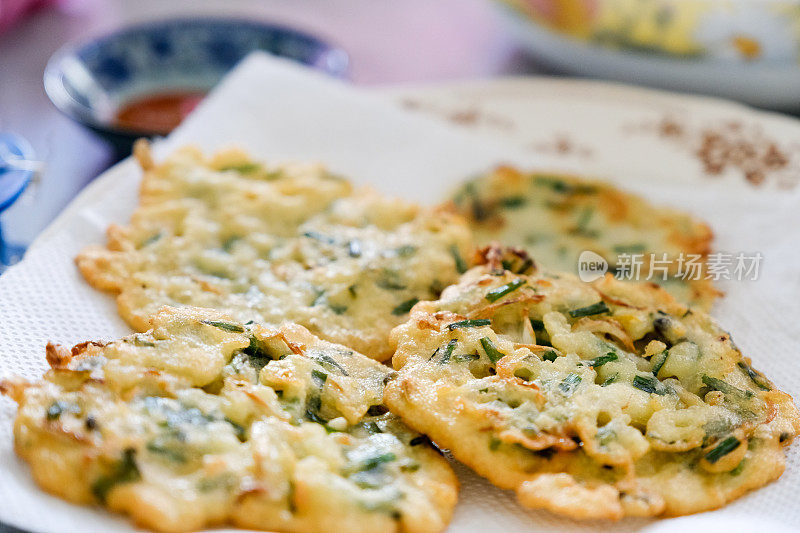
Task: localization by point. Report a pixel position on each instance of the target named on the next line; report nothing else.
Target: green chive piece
(55, 410)
(405, 307)
(465, 357)
(435, 353)
(314, 417)
(725, 388)
(390, 281)
(759, 380)
(570, 383)
(494, 443)
(649, 384)
(560, 186)
(469, 323)
(319, 377)
(725, 447)
(244, 168)
(406, 250)
(372, 428)
(491, 350)
(124, 471)
(338, 309)
(513, 202)
(313, 407)
(581, 225)
(589, 310)
(158, 447)
(142, 343)
(328, 363)
(738, 470)
(609, 380)
(603, 359)
(461, 265)
(317, 236)
(448, 348)
(150, 240)
(448, 351)
(495, 294)
(227, 326)
(549, 355)
(537, 325)
(241, 433)
(229, 243)
(319, 297)
(377, 460)
(525, 266)
(554, 183)
(659, 362)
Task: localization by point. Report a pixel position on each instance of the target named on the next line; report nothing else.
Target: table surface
(391, 41)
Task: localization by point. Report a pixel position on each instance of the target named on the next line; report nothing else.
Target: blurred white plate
(769, 84)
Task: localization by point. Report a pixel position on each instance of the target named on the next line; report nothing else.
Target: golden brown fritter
(556, 217)
(204, 421)
(285, 244)
(597, 400)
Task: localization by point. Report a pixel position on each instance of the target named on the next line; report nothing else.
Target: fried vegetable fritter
(597, 400)
(284, 244)
(556, 217)
(204, 420)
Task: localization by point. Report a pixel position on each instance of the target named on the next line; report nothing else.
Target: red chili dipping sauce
(157, 113)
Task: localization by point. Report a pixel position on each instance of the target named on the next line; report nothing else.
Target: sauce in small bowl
(144, 79)
(158, 113)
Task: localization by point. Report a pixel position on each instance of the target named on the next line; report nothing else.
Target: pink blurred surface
(12, 11)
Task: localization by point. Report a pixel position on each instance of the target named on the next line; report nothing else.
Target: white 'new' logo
(591, 266)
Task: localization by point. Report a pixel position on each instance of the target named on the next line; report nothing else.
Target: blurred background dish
(743, 49)
(144, 79)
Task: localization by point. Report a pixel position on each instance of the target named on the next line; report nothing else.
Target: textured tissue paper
(279, 111)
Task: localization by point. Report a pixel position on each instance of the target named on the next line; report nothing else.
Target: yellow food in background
(726, 30)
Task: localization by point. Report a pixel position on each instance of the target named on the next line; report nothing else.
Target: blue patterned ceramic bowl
(91, 80)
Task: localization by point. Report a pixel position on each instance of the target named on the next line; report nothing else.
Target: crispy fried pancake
(285, 244)
(204, 420)
(556, 217)
(596, 400)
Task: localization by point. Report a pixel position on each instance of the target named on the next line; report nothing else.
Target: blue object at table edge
(13, 182)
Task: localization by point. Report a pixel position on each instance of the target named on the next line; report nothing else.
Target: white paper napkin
(279, 111)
